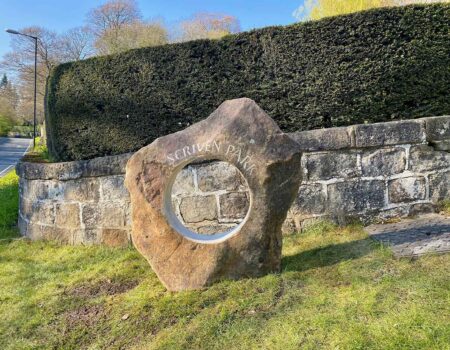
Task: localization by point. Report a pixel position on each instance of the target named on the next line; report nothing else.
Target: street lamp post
(35, 38)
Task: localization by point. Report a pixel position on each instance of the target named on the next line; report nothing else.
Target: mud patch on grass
(104, 287)
(86, 316)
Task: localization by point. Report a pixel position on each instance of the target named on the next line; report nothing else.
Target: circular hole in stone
(210, 200)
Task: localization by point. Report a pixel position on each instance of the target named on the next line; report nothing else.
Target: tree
(8, 103)
(4, 82)
(76, 44)
(20, 61)
(113, 15)
(208, 26)
(316, 9)
(107, 23)
(53, 49)
(131, 36)
(118, 26)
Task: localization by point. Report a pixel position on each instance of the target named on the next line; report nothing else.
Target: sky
(61, 15)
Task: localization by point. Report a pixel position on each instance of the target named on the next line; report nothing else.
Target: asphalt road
(11, 150)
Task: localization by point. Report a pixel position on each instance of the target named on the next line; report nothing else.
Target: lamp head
(12, 31)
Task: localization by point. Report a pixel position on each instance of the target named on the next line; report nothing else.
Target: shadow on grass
(328, 255)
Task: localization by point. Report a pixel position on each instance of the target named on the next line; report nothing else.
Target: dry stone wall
(370, 172)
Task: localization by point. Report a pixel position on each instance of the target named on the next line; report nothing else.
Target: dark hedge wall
(372, 66)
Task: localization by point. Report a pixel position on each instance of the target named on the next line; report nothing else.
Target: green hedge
(372, 66)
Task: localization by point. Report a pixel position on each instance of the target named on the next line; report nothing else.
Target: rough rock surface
(242, 134)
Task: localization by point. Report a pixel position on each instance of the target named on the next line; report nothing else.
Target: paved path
(11, 150)
(415, 237)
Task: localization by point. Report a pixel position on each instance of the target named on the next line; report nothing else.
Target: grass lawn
(9, 205)
(338, 290)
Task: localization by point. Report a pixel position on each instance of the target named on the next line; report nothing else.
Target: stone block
(115, 237)
(67, 215)
(437, 128)
(23, 187)
(325, 166)
(311, 199)
(407, 189)
(424, 158)
(212, 229)
(439, 186)
(87, 236)
(91, 215)
(82, 190)
(392, 213)
(422, 208)
(35, 232)
(96, 215)
(23, 225)
(43, 190)
(43, 212)
(234, 205)
(198, 208)
(390, 133)
(218, 176)
(25, 207)
(113, 188)
(441, 145)
(383, 162)
(184, 182)
(356, 196)
(49, 233)
(113, 215)
(322, 139)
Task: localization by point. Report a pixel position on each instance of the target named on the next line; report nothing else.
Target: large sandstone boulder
(238, 132)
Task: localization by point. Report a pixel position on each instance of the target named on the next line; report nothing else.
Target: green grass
(9, 205)
(445, 206)
(337, 290)
(41, 147)
(39, 154)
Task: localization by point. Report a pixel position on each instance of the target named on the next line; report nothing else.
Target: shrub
(371, 66)
(6, 125)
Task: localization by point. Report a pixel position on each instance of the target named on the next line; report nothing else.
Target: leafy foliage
(317, 9)
(6, 125)
(373, 66)
(131, 36)
(208, 26)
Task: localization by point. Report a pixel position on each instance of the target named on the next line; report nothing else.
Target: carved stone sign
(240, 133)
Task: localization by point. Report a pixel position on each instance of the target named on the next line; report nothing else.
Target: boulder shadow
(328, 255)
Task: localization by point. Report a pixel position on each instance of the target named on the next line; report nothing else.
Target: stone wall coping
(102, 166)
(411, 131)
